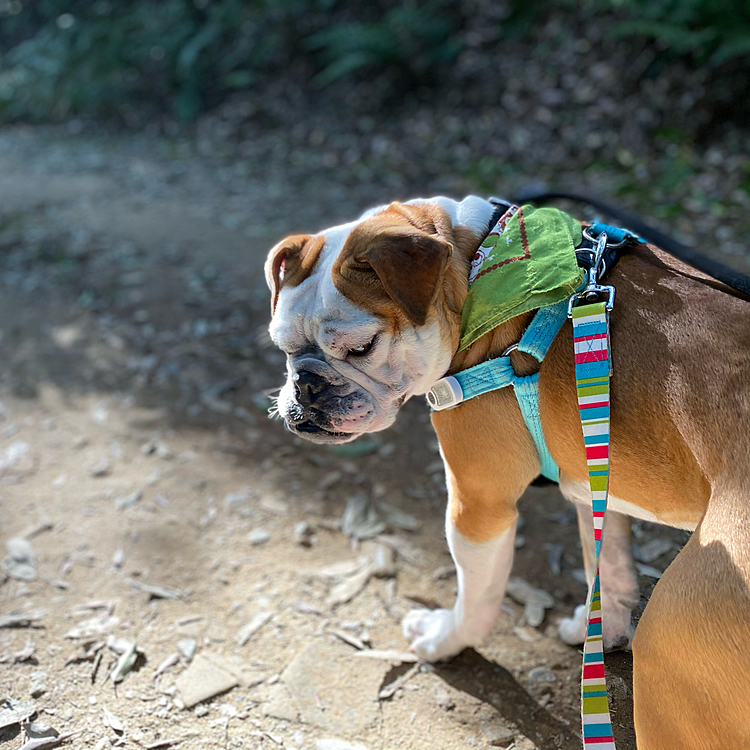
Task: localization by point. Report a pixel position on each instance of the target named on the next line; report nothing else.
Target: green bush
(133, 58)
(105, 56)
(712, 32)
(411, 41)
(71, 56)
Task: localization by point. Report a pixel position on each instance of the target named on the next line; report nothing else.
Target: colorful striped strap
(593, 369)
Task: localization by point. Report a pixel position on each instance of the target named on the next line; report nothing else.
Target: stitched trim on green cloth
(526, 262)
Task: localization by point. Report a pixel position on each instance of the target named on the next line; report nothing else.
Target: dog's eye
(361, 349)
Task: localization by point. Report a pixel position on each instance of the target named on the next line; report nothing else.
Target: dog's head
(368, 312)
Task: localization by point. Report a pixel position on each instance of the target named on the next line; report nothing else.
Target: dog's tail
(686, 254)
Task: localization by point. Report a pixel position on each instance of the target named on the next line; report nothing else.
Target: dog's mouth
(317, 434)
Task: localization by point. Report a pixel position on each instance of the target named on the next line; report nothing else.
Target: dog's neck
(475, 214)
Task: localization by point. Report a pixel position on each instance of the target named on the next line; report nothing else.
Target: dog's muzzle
(324, 407)
(303, 416)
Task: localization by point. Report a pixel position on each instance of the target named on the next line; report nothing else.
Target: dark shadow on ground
(619, 665)
(496, 686)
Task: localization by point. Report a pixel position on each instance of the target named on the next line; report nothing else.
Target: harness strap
(538, 337)
(499, 373)
(527, 395)
(593, 369)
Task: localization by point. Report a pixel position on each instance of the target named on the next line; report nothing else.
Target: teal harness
(497, 373)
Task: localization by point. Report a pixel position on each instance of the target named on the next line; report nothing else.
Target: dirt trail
(135, 452)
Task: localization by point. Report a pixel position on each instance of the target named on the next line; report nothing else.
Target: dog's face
(367, 312)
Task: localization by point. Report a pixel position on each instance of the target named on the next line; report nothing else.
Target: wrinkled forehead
(315, 305)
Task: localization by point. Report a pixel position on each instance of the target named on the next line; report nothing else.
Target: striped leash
(593, 370)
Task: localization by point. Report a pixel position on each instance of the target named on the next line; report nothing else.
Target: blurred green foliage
(411, 39)
(132, 58)
(711, 31)
(61, 56)
(64, 56)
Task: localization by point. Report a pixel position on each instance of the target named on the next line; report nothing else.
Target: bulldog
(368, 315)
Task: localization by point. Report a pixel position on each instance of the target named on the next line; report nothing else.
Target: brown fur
(691, 651)
(400, 262)
(291, 261)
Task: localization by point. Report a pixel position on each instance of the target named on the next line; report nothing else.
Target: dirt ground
(162, 506)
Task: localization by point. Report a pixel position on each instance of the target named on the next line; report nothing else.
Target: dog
(368, 316)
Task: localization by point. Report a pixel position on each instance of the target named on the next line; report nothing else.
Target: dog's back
(680, 389)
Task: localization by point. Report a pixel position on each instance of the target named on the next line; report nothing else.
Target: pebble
(17, 457)
(383, 559)
(125, 502)
(497, 735)
(38, 686)
(20, 563)
(102, 468)
(275, 505)
(235, 499)
(541, 680)
(203, 679)
(258, 536)
(617, 688)
(186, 647)
(443, 697)
(157, 448)
(304, 535)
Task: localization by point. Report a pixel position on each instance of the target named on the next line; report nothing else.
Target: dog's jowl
(369, 314)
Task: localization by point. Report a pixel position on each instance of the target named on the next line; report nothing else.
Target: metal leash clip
(598, 268)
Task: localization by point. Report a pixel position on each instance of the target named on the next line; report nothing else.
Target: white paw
(433, 634)
(572, 630)
(617, 628)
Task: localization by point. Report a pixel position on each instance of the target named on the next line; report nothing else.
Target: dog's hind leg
(691, 651)
(618, 580)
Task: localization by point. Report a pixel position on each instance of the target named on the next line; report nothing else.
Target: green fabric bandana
(526, 262)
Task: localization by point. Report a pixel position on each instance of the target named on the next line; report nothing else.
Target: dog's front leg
(482, 570)
(489, 459)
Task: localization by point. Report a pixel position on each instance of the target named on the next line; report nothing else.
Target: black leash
(686, 254)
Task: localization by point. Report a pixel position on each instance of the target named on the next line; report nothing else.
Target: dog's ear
(291, 262)
(410, 266)
(409, 263)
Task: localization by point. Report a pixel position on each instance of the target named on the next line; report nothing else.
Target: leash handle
(592, 368)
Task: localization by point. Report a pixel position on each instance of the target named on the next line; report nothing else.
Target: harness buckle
(592, 289)
(445, 394)
(591, 292)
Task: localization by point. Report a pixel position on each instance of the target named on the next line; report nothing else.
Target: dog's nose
(307, 385)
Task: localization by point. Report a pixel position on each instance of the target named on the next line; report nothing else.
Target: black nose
(307, 385)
